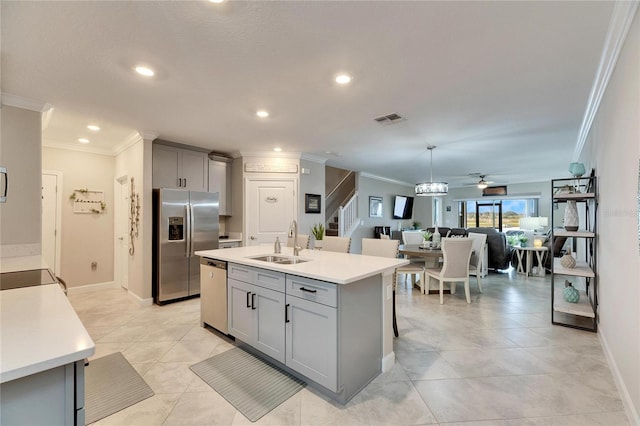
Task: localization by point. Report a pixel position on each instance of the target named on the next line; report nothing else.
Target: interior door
(51, 220)
(123, 217)
(270, 207)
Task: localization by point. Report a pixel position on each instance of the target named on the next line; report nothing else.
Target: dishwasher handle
(213, 263)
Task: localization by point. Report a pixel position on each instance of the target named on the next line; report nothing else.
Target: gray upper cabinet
(179, 168)
(220, 182)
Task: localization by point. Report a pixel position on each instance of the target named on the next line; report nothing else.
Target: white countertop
(22, 263)
(39, 330)
(339, 268)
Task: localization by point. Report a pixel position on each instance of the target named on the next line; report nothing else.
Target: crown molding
(79, 148)
(148, 136)
(271, 154)
(314, 158)
(386, 179)
(133, 139)
(25, 103)
(619, 24)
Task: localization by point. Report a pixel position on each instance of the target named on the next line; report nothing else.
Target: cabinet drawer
(313, 290)
(269, 279)
(240, 272)
(257, 276)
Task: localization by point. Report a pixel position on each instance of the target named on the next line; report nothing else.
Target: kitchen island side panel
(360, 333)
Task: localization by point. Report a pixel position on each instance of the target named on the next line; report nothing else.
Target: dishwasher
(213, 294)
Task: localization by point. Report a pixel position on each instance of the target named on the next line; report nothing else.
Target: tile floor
(497, 361)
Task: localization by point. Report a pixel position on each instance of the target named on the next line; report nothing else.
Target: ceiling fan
(482, 183)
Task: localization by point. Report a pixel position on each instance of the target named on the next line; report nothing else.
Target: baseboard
(387, 361)
(627, 402)
(140, 301)
(92, 287)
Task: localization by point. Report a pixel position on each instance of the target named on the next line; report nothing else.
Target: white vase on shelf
(571, 222)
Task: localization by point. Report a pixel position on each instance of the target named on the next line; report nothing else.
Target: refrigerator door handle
(187, 212)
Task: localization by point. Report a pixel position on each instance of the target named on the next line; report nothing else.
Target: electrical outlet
(94, 266)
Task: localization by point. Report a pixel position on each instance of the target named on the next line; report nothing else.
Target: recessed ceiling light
(216, 1)
(343, 78)
(147, 72)
(277, 149)
(93, 127)
(83, 140)
(262, 114)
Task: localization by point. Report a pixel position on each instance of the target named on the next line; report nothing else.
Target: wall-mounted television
(402, 207)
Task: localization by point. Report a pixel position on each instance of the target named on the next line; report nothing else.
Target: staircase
(341, 201)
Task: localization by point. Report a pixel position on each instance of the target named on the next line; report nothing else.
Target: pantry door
(270, 206)
(51, 219)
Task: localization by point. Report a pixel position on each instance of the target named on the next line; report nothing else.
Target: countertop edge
(233, 256)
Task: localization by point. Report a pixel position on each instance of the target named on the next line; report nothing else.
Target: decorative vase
(318, 244)
(568, 261)
(571, 216)
(570, 293)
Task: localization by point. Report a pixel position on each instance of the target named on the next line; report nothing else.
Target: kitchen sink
(280, 260)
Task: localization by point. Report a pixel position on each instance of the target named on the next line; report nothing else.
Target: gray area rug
(254, 387)
(111, 385)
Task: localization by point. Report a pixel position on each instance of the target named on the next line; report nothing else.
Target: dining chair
(477, 256)
(303, 241)
(384, 248)
(417, 265)
(456, 253)
(337, 244)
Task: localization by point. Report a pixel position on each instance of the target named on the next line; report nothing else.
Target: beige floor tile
(497, 361)
(150, 412)
(201, 408)
(139, 352)
(169, 377)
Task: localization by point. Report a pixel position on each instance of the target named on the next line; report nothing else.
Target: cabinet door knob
(252, 237)
(248, 302)
(286, 313)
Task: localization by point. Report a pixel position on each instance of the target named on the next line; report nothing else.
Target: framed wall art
(375, 206)
(312, 203)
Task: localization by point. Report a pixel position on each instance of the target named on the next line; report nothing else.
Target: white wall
(613, 149)
(311, 183)
(369, 186)
(20, 153)
(133, 163)
(85, 238)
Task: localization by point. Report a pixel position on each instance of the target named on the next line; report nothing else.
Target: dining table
(430, 255)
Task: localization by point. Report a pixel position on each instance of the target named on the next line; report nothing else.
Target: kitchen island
(323, 316)
(43, 345)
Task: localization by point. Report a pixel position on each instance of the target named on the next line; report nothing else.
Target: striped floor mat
(112, 384)
(251, 385)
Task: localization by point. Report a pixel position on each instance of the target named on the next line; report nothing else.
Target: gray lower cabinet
(312, 343)
(51, 397)
(328, 333)
(256, 313)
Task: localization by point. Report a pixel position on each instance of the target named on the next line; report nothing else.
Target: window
(501, 214)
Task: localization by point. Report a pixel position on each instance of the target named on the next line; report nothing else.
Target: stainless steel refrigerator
(184, 222)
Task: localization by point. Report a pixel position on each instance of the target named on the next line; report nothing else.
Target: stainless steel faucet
(293, 232)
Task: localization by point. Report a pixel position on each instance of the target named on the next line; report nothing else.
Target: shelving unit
(584, 314)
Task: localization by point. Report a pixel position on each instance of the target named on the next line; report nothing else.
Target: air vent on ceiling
(386, 120)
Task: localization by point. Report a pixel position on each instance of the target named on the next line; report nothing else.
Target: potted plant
(523, 240)
(318, 234)
(415, 225)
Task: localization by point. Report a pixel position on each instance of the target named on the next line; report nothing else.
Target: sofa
(500, 252)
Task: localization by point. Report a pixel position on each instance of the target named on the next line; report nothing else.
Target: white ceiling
(500, 87)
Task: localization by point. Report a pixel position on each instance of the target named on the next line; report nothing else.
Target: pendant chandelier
(431, 188)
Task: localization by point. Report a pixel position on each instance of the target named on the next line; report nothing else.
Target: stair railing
(348, 217)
